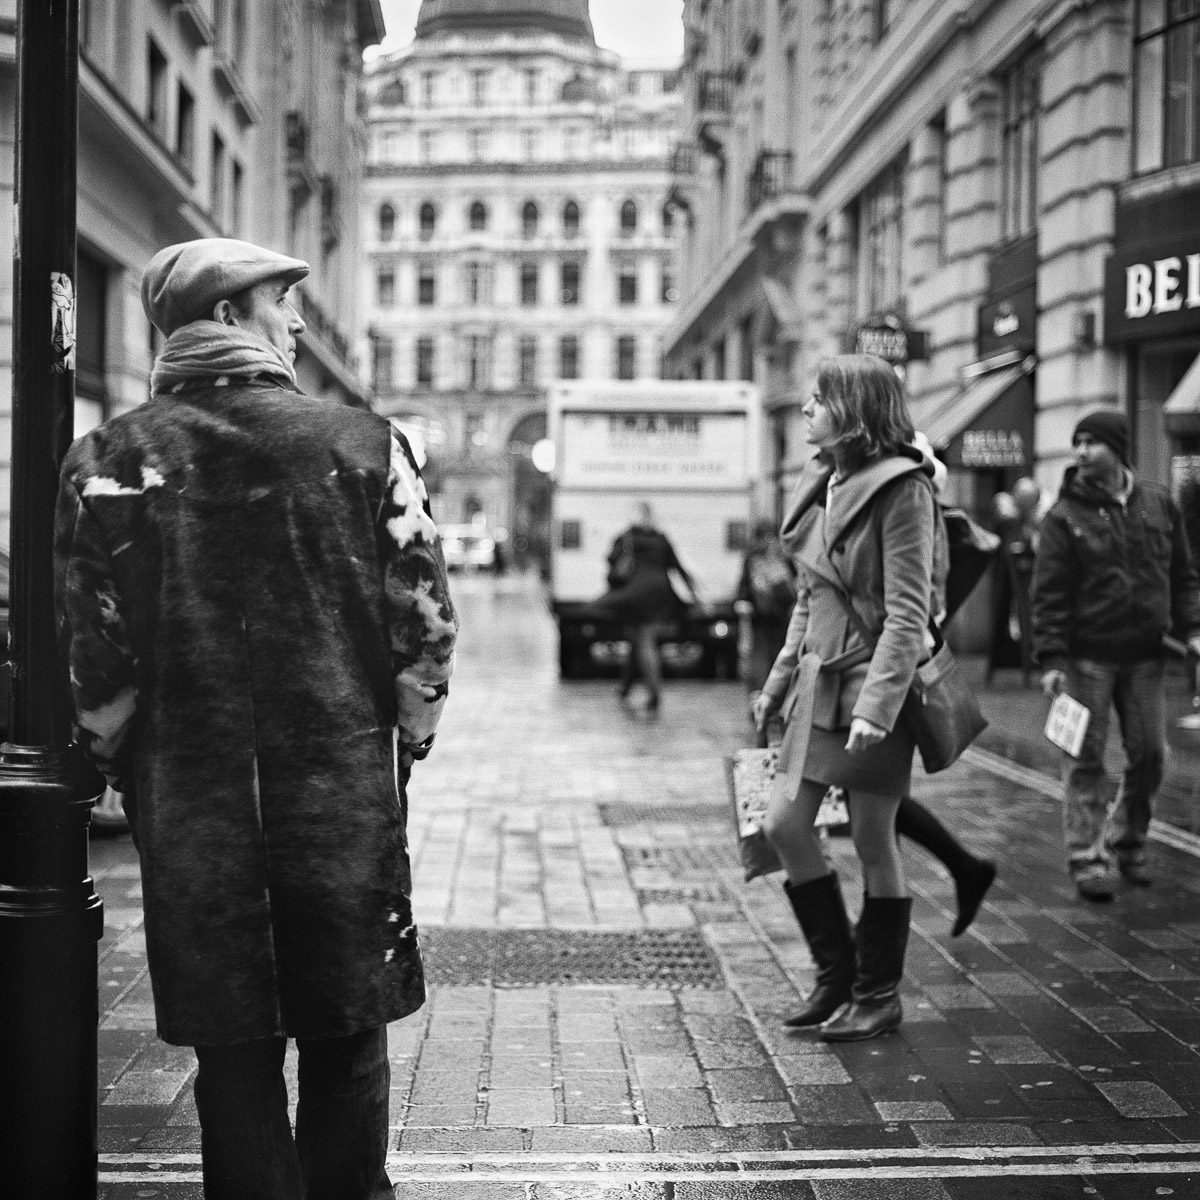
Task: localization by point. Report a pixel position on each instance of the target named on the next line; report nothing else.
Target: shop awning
(989, 424)
(1181, 412)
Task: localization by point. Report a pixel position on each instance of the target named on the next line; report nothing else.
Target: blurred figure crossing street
(254, 614)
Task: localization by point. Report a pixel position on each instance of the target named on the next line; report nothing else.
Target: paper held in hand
(1067, 724)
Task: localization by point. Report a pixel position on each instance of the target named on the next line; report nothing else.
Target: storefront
(1152, 310)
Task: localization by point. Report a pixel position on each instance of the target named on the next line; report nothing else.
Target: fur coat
(253, 610)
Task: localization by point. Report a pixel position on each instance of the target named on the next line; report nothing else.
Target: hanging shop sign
(1009, 323)
(887, 337)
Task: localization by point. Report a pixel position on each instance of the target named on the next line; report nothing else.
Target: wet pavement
(606, 990)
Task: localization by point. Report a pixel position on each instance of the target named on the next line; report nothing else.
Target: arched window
(570, 218)
(529, 219)
(629, 217)
(668, 219)
(477, 216)
(427, 221)
(387, 222)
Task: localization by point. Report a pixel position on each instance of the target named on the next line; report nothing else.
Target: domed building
(516, 232)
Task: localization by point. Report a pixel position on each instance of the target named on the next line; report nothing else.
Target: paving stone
(678, 1106)
(439, 1115)
(806, 1069)
(975, 1133)
(1140, 1099)
(1014, 1049)
(746, 1084)
(730, 1054)
(1114, 1019)
(606, 1140)
(879, 1189)
(913, 1110)
(750, 1112)
(668, 1071)
(831, 1104)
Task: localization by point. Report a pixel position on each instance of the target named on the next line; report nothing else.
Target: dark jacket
(1110, 580)
(253, 609)
(642, 592)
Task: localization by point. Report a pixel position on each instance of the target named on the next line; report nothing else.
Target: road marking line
(1037, 781)
(980, 1153)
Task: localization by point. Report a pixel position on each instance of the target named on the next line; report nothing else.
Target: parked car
(468, 548)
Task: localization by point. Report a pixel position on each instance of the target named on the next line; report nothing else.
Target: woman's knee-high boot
(880, 942)
(821, 912)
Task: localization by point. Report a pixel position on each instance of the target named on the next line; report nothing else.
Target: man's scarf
(208, 352)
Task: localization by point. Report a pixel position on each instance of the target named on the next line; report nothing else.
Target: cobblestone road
(606, 991)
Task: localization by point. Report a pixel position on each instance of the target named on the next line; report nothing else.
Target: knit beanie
(1108, 426)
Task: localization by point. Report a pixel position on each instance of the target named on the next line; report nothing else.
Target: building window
(568, 357)
(570, 278)
(477, 217)
(530, 145)
(236, 196)
(426, 146)
(216, 179)
(570, 219)
(627, 286)
(185, 127)
(527, 361)
(529, 219)
(477, 283)
(1166, 84)
(156, 89)
(387, 222)
(531, 85)
(479, 358)
(668, 219)
(382, 361)
(426, 285)
(474, 438)
(1019, 151)
(428, 88)
(425, 362)
(479, 87)
(529, 283)
(427, 221)
(573, 144)
(477, 144)
(626, 365)
(881, 241)
(385, 289)
(629, 217)
(669, 292)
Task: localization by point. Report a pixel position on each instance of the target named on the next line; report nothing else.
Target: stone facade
(516, 232)
(953, 169)
(185, 117)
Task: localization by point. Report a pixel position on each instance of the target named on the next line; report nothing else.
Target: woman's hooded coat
(254, 613)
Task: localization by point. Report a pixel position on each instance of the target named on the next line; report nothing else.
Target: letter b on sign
(1138, 296)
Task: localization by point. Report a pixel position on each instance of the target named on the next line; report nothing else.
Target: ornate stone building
(202, 118)
(516, 232)
(1002, 197)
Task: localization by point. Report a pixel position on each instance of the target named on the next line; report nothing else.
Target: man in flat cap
(1112, 576)
(254, 613)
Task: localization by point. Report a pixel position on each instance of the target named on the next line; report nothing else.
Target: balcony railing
(771, 177)
(714, 94)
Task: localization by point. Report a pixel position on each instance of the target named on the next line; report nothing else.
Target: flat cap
(184, 282)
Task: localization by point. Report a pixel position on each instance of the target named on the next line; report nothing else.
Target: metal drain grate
(684, 894)
(618, 816)
(682, 860)
(529, 957)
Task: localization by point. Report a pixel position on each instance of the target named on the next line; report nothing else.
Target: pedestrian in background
(641, 597)
(254, 614)
(1112, 576)
(768, 586)
(864, 539)
(1017, 518)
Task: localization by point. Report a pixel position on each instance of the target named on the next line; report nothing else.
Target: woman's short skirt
(885, 768)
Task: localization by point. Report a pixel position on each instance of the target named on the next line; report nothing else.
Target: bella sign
(1167, 285)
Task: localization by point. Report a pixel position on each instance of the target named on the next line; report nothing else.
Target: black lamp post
(50, 916)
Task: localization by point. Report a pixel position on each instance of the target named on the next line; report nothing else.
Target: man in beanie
(254, 615)
(1112, 576)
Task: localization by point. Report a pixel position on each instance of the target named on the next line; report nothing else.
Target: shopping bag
(1067, 724)
(749, 774)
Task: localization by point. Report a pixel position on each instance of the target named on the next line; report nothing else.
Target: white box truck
(691, 449)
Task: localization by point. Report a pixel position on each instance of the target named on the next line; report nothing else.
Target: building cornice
(476, 171)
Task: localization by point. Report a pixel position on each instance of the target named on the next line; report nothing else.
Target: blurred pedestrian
(253, 610)
(768, 586)
(864, 537)
(1017, 516)
(1113, 575)
(641, 597)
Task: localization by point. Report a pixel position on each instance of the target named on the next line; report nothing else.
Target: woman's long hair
(867, 406)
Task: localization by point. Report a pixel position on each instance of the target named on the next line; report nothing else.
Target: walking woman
(640, 596)
(863, 535)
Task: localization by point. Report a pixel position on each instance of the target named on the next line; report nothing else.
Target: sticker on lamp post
(62, 322)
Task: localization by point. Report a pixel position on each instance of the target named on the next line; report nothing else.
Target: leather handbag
(940, 708)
